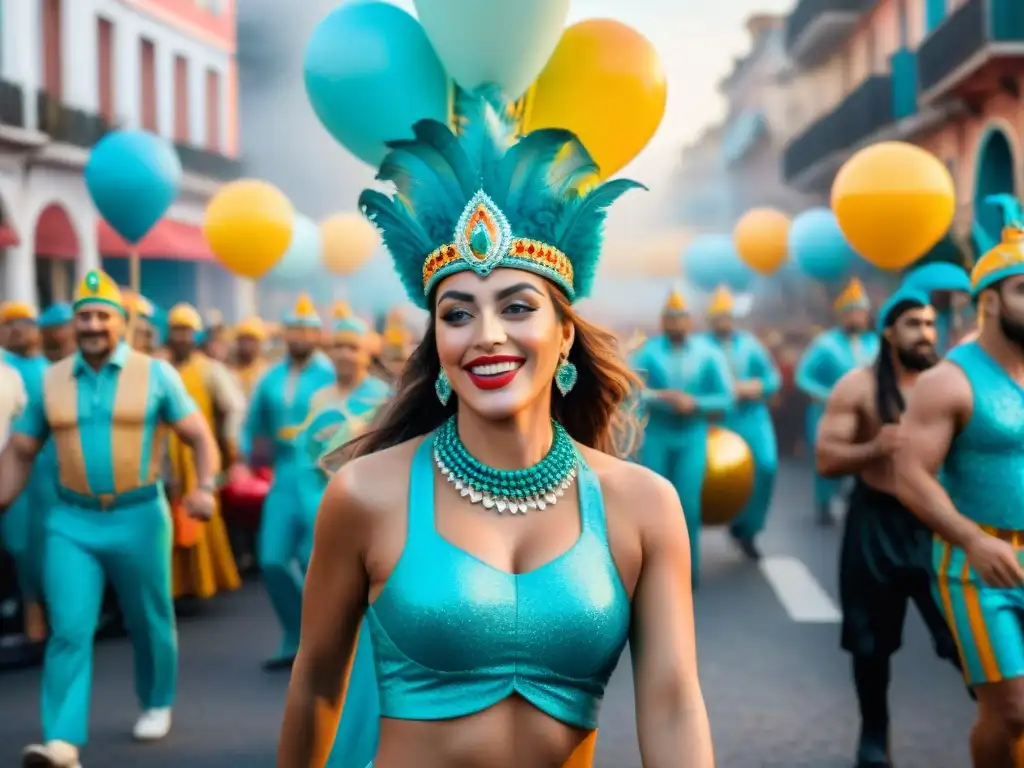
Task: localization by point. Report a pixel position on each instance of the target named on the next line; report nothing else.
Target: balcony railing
(12, 105)
(803, 23)
(867, 110)
(206, 163)
(973, 28)
(69, 125)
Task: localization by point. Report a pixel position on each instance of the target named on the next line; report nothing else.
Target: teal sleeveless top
(984, 470)
(453, 636)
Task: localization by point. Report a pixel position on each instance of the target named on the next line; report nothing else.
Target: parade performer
(203, 563)
(107, 407)
(948, 287)
(830, 356)
(249, 364)
(965, 419)
(56, 332)
(394, 348)
(886, 554)
(141, 314)
(756, 380)
(21, 529)
(504, 407)
(686, 381)
(279, 405)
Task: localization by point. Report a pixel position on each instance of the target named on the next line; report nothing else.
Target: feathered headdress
(478, 201)
(1007, 258)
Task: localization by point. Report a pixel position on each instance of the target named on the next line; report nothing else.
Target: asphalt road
(777, 686)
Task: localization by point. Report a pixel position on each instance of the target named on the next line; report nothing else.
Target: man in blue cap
(58, 333)
(948, 287)
(886, 555)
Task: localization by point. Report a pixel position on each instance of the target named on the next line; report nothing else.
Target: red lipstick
(505, 369)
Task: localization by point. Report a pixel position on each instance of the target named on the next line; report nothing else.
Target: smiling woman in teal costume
(501, 559)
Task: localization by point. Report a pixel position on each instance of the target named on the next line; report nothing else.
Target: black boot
(871, 680)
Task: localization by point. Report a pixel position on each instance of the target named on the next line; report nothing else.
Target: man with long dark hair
(885, 560)
(965, 420)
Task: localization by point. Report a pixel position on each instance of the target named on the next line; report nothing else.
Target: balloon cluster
(372, 71)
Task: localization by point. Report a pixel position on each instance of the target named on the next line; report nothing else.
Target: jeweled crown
(479, 200)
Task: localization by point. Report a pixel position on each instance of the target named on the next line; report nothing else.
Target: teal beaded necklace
(515, 491)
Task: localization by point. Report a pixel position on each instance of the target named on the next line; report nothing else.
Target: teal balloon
(133, 177)
(370, 74)
(505, 44)
(819, 248)
(712, 260)
(302, 258)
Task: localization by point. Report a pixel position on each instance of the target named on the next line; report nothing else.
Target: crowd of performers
(448, 544)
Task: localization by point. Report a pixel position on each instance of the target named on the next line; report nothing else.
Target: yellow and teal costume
(111, 520)
(279, 408)
(983, 474)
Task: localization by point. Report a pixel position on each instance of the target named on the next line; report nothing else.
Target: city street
(777, 686)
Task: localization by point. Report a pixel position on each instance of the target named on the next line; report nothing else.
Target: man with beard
(249, 364)
(831, 355)
(280, 403)
(885, 559)
(203, 562)
(58, 333)
(686, 381)
(965, 420)
(106, 407)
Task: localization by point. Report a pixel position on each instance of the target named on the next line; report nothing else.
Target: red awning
(8, 237)
(169, 239)
(56, 237)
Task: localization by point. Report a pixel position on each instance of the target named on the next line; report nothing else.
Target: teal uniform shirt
(830, 356)
(984, 476)
(751, 420)
(111, 521)
(675, 445)
(278, 411)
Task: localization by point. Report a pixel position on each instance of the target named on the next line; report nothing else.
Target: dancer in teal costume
(944, 283)
(22, 528)
(278, 411)
(687, 380)
(830, 356)
(341, 411)
(756, 379)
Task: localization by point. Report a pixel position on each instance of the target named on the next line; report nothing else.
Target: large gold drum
(728, 477)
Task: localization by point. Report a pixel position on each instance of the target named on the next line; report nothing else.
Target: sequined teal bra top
(453, 635)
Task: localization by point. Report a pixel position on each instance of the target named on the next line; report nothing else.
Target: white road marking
(803, 598)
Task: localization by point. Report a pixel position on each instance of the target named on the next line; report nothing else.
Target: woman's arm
(672, 721)
(334, 601)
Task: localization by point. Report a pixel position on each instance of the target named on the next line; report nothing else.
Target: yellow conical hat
(675, 304)
(341, 310)
(251, 326)
(304, 315)
(185, 316)
(97, 288)
(1005, 260)
(722, 302)
(852, 297)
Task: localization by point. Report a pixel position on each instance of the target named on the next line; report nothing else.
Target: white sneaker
(53, 754)
(153, 724)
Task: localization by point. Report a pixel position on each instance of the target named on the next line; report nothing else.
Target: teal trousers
(130, 546)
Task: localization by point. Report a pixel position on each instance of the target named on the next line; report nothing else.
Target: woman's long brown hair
(596, 413)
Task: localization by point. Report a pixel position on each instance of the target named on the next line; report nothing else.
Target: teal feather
(1013, 213)
(581, 231)
(536, 182)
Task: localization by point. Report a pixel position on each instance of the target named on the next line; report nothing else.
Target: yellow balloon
(893, 202)
(606, 84)
(762, 239)
(728, 477)
(248, 225)
(348, 241)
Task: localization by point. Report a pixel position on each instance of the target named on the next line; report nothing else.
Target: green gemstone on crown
(92, 281)
(480, 241)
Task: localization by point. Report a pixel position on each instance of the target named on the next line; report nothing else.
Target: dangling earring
(565, 376)
(443, 387)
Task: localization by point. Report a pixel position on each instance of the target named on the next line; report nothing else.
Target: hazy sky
(697, 40)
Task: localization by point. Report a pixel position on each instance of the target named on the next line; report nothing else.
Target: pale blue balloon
(505, 43)
(712, 260)
(370, 74)
(133, 177)
(302, 258)
(819, 248)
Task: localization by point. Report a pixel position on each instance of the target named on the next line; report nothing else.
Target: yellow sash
(193, 376)
(128, 423)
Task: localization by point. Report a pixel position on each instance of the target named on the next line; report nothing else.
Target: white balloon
(506, 43)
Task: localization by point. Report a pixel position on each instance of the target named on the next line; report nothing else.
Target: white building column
(86, 222)
(22, 52)
(80, 55)
(127, 68)
(245, 298)
(20, 271)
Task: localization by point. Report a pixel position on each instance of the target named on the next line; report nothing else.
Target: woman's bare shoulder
(632, 489)
(372, 484)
